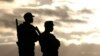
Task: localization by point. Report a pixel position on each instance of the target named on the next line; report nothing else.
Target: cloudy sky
(76, 21)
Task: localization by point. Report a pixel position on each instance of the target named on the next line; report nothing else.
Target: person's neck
(27, 23)
(47, 31)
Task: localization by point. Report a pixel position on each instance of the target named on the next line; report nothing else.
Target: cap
(49, 23)
(28, 14)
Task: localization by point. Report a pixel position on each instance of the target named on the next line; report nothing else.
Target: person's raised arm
(38, 31)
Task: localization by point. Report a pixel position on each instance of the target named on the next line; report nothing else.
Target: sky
(76, 21)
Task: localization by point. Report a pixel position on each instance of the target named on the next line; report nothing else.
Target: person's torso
(49, 42)
(26, 33)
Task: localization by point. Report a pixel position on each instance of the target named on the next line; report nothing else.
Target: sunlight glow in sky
(91, 16)
(23, 2)
(77, 24)
(93, 21)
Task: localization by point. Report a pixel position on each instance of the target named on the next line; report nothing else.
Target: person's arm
(37, 30)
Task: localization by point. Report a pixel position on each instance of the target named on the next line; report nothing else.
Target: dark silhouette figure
(49, 44)
(27, 36)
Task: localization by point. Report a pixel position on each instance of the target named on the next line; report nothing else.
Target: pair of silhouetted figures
(28, 35)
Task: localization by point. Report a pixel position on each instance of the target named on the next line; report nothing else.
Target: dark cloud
(7, 33)
(7, 23)
(72, 20)
(80, 33)
(68, 21)
(8, 20)
(88, 11)
(59, 12)
(7, 0)
(42, 2)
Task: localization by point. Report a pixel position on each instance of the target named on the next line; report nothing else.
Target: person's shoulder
(52, 35)
(32, 26)
(20, 25)
(27, 25)
(42, 34)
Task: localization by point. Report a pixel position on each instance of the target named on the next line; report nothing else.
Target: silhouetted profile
(48, 42)
(27, 36)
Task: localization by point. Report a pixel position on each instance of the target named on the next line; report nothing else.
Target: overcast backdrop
(76, 24)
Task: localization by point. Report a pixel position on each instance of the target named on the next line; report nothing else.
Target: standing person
(27, 36)
(48, 42)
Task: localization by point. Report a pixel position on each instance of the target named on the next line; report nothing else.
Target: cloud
(7, 35)
(72, 20)
(7, 0)
(60, 12)
(42, 2)
(74, 35)
(88, 11)
(7, 39)
(7, 20)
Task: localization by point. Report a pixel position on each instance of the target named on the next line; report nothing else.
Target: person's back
(27, 36)
(27, 33)
(48, 42)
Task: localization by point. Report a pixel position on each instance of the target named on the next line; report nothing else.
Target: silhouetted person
(27, 36)
(49, 44)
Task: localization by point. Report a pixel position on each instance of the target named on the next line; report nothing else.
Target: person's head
(48, 26)
(28, 17)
